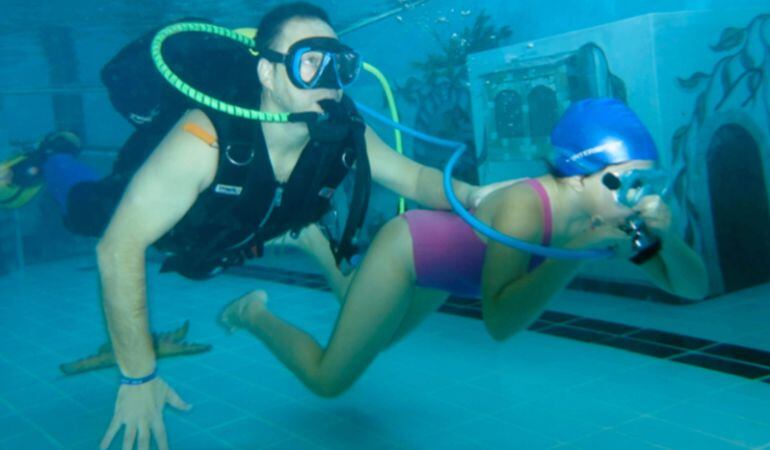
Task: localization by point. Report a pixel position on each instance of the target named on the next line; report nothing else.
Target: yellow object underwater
(250, 33)
(11, 195)
(393, 115)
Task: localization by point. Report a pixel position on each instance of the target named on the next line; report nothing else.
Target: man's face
(282, 91)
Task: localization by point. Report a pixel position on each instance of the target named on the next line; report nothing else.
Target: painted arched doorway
(739, 206)
(543, 112)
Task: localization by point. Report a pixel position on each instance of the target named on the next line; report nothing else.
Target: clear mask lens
(310, 65)
(348, 66)
(325, 68)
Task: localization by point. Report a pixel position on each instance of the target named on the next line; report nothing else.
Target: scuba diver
(602, 192)
(213, 188)
(23, 176)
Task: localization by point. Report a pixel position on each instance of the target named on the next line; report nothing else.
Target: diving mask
(318, 62)
(633, 185)
(630, 188)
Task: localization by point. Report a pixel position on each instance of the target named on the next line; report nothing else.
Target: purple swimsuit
(449, 256)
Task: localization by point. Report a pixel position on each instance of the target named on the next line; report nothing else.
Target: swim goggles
(633, 185)
(318, 62)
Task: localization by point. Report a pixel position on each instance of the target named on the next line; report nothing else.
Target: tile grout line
(248, 414)
(34, 425)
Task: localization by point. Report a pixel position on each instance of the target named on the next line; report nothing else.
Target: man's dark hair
(272, 23)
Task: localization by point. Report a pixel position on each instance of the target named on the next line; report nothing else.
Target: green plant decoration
(442, 92)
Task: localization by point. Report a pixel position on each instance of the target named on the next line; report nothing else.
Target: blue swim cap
(595, 133)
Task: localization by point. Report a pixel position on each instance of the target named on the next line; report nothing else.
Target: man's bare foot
(243, 311)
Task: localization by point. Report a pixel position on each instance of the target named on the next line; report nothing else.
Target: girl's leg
(424, 301)
(313, 242)
(378, 300)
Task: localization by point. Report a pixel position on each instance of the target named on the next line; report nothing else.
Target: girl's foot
(243, 311)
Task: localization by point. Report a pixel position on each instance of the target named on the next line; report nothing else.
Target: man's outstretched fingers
(144, 438)
(112, 430)
(176, 401)
(161, 438)
(129, 436)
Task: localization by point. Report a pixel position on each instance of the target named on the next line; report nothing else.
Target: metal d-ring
(345, 159)
(236, 162)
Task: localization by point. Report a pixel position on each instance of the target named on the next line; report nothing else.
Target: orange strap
(200, 133)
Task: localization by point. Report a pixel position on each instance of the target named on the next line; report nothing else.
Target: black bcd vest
(246, 206)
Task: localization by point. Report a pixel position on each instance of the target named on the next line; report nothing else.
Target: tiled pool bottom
(447, 386)
(706, 353)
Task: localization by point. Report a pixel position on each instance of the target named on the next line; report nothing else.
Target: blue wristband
(137, 381)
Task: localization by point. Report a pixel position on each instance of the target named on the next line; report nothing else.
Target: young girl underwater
(420, 258)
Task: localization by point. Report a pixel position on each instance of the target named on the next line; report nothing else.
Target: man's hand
(140, 409)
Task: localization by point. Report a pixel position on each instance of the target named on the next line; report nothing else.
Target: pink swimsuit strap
(547, 212)
(547, 220)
